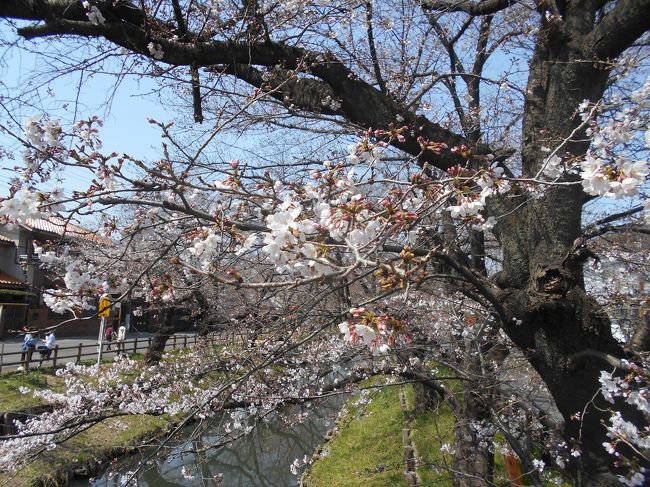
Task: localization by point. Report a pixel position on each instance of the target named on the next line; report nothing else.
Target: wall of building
(41, 318)
(8, 253)
(7, 264)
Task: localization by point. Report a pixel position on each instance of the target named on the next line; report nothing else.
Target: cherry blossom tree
(477, 133)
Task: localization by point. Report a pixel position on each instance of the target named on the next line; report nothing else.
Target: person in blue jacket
(28, 346)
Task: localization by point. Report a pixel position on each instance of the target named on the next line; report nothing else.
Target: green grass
(11, 399)
(368, 449)
(97, 444)
(429, 432)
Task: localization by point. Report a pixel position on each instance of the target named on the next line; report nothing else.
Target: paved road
(14, 344)
(10, 347)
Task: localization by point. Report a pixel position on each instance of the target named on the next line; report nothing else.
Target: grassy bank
(432, 433)
(83, 454)
(368, 449)
(375, 461)
(12, 400)
(89, 451)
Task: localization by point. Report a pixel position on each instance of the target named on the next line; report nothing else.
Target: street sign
(104, 308)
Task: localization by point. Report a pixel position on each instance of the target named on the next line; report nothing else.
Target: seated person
(48, 345)
(29, 343)
(28, 347)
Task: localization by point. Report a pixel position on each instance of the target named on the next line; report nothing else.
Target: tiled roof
(5, 240)
(62, 227)
(7, 279)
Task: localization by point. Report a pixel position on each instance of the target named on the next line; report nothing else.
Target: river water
(261, 458)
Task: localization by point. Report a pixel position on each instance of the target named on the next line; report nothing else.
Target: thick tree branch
(486, 7)
(69, 10)
(617, 216)
(373, 50)
(619, 29)
(361, 103)
(473, 82)
(639, 342)
(194, 70)
(602, 226)
(305, 93)
(603, 229)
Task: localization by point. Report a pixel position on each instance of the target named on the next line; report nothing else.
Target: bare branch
(361, 103)
(373, 50)
(486, 7)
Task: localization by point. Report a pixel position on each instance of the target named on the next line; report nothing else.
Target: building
(22, 278)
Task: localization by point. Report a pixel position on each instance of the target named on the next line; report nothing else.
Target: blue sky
(126, 128)
(125, 111)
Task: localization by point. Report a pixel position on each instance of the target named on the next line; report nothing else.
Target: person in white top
(121, 336)
(48, 345)
(50, 340)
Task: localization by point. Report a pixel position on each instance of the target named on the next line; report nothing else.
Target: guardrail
(76, 353)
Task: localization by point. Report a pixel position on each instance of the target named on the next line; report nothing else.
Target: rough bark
(427, 398)
(159, 340)
(640, 341)
(541, 279)
(473, 460)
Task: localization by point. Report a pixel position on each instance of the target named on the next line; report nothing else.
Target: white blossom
(24, 205)
(553, 167)
(155, 50)
(93, 13)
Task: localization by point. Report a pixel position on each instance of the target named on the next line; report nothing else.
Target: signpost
(103, 311)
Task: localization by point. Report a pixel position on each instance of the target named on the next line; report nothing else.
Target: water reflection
(261, 458)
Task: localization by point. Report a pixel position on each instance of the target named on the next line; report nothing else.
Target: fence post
(185, 341)
(56, 355)
(28, 359)
(79, 352)
(174, 345)
(135, 345)
(2, 356)
(148, 343)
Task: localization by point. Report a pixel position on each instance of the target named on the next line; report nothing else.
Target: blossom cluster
(621, 178)
(633, 389)
(611, 168)
(42, 131)
(24, 205)
(377, 331)
(472, 188)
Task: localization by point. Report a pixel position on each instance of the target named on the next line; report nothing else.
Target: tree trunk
(159, 340)
(474, 434)
(567, 335)
(473, 456)
(549, 315)
(426, 398)
(640, 341)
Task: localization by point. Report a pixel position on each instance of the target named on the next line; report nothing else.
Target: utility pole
(103, 311)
